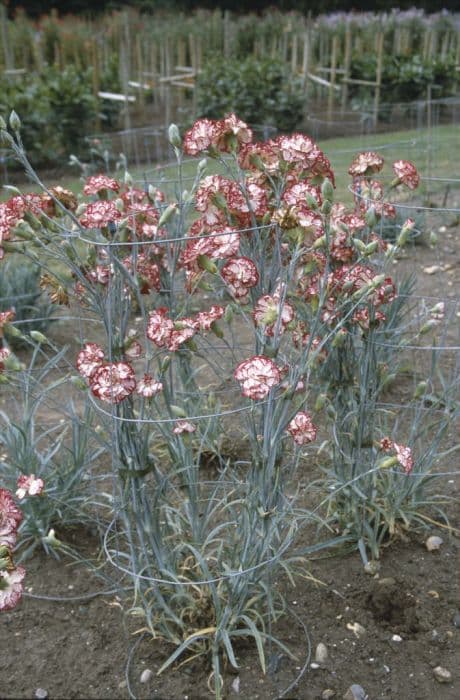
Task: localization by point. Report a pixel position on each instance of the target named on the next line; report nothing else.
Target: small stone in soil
(41, 694)
(146, 675)
(327, 694)
(442, 675)
(433, 543)
(396, 638)
(321, 653)
(456, 619)
(355, 692)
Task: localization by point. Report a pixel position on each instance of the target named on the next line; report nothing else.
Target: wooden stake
(378, 76)
(331, 96)
(346, 67)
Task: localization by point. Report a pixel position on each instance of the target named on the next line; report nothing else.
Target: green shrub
(57, 110)
(259, 91)
(404, 78)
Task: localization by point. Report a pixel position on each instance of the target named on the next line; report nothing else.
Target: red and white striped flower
(159, 327)
(29, 486)
(406, 174)
(183, 426)
(200, 137)
(148, 386)
(257, 375)
(240, 274)
(99, 214)
(271, 313)
(90, 357)
(404, 456)
(100, 183)
(302, 429)
(11, 587)
(4, 354)
(113, 382)
(10, 518)
(366, 163)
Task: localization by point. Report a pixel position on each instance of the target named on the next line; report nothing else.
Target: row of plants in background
(261, 91)
(60, 110)
(405, 78)
(231, 326)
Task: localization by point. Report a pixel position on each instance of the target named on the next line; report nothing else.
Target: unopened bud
(320, 402)
(326, 207)
(15, 122)
(6, 140)
(370, 217)
(217, 330)
(174, 136)
(428, 326)
(312, 203)
(38, 337)
(128, 180)
(178, 411)
(202, 165)
(51, 539)
(433, 238)
(206, 264)
(79, 383)
(388, 462)
(319, 243)
(371, 248)
(420, 389)
(167, 214)
(359, 245)
(327, 190)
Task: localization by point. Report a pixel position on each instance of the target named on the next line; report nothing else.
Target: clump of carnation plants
(229, 313)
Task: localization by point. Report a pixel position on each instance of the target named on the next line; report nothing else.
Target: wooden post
(95, 80)
(7, 55)
(346, 67)
(333, 76)
(306, 57)
(294, 54)
(378, 76)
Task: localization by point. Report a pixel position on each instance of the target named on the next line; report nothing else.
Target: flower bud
(206, 263)
(38, 337)
(202, 165)
(217, 330)
(319, 243)
(370, 217)
(15, 122)
(312, 203)
(420, 389)
(321, 401)
(388, 462)
(178, 411)
(174, 136)
(51, 539)
(430, 325)
(79, 383)
(6, 140)
(327, 190)
(359, 245)
(167, 214)
(326, 207)
(371, 248)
